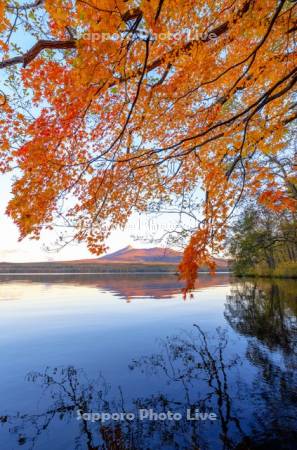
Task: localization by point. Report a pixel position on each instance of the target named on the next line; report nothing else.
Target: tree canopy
(112, 106)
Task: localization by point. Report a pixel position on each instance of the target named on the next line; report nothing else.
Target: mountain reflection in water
(126, 287)
(252, 392)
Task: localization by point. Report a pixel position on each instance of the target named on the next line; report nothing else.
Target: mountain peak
(157, 255)
(144, 255)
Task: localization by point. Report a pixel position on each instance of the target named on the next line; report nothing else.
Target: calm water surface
(74, 347)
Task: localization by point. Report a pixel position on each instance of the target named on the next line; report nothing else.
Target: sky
(11, 250)
(141, 231)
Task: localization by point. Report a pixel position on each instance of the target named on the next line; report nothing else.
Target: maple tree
(118, 103)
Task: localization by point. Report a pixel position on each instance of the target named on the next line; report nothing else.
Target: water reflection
(201, 373)
(265, 310)
(126, 287)
(245, 373)
(193, 362)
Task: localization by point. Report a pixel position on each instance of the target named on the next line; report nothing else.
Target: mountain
(151, 255)
(128, 259)
(143, 255)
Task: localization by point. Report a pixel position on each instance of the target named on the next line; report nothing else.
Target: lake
(125, 362)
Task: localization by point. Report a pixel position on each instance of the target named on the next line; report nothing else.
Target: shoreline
(108, 273)
(288, 277)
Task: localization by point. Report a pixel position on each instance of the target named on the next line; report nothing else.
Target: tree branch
(129, 15)
(36, 49)
(26, 6)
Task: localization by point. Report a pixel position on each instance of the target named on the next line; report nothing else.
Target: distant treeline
(56, 267)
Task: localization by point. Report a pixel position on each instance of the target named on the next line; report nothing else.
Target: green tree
(262, 239)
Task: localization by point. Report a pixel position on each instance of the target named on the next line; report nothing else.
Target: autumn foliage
(112, 104)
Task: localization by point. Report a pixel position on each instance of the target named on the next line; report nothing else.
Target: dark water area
(125, 362)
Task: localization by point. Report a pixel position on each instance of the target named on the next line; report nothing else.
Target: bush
(286, 269)
(283, 270)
